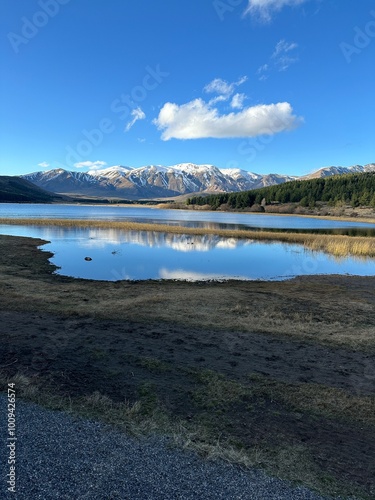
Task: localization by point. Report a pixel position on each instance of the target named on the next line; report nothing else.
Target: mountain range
(156, 181)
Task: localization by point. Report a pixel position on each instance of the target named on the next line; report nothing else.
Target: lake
(139, 255)
(188, 218)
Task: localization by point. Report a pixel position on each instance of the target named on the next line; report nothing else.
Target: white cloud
(281, 55)
(263, 71)
(222, 87)
(283, 47)
(284, 62)
(44, 164)
(197, 119)
(137, 114)
(219, 86)
(219, 98)
(263, 68)
(92, 165)
(265, 8)
(237, 101)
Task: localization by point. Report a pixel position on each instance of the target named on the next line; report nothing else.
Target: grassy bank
(337, 245)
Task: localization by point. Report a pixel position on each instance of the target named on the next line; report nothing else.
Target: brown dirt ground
(116, 338)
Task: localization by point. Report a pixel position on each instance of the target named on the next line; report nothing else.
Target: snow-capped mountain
(145, 182)
(111, 172)
(157, 181)
(327, 171)
(64, 181)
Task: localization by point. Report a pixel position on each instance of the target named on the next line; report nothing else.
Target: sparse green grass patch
(216, 391)
(330, 402)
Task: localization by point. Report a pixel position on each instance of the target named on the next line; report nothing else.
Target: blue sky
(282, 86)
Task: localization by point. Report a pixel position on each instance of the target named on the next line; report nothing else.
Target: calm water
(134, 255)
(184, 217)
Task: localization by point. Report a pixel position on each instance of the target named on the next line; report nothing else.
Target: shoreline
(364, 220)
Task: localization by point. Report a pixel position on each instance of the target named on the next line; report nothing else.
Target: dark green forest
(350, 189)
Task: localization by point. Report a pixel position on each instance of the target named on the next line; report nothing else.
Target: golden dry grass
(343, 218)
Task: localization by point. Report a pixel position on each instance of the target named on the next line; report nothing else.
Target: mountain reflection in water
(111, 255)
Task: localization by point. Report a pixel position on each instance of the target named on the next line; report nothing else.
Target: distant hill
(18, 190)
(157, 181)
(353, 189)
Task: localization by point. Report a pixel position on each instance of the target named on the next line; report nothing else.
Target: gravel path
(62, 457)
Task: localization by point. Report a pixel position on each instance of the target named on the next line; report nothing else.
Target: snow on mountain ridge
(158, 181)
(192, 167)
(332, 170)
(110, 171)
(237, 172)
